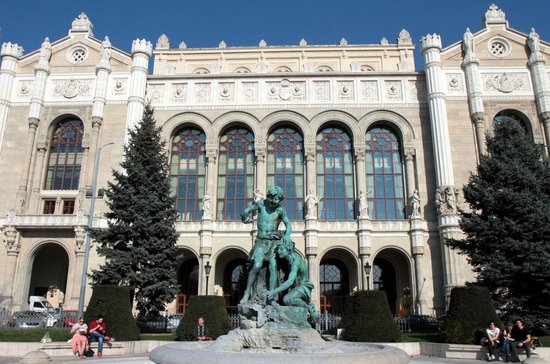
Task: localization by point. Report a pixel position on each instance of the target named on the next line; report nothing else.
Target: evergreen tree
(507, 230)
(139, 244)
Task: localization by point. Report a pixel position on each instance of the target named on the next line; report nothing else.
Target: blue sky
(245, 22)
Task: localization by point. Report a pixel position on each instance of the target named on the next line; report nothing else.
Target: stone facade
(438, 115)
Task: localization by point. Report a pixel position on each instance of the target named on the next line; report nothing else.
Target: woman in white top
(79, 341)
(493, 335)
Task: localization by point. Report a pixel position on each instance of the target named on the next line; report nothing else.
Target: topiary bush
(113, 302)
(212, 309)
(470, 311)
(367, 317)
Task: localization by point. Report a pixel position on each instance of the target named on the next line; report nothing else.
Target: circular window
(499, 47)
(77, 55)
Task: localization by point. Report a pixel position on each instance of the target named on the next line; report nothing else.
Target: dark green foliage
(470, 311)
(139, 244)
(113, 302)
(212, 309)
(508, 228)
(367, 317)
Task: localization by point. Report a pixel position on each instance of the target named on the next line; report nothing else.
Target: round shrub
(470, 310)
(367, 317)
(212, 309)
(113, 303)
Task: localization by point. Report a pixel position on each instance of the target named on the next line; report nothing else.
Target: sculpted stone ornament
(311, 205)
(468, 45)
(207, 206)
(415, 205)
(259, 305)
(446, 200)
(363, 205)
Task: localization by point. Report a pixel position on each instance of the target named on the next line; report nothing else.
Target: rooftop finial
(82, 24)
(494, 15)
(303, 42)
(163, 42)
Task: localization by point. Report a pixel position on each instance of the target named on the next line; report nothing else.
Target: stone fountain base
(273, 343)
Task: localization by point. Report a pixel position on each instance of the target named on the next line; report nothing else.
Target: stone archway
(337, 279)
(391, 273)
(231, 275)
(188, 279)
(49, 270)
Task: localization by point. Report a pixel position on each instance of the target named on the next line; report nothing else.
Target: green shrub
(470, 311)
(212, 309)
(367, 317)
(113, 302)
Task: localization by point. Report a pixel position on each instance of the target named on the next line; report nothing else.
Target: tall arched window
(334, 285)
(235, 173)
(384, 175)
(334, 175)
(66, 153)
(514, 115)
(188, 172)
(285, 168)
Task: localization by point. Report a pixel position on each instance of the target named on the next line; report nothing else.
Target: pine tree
(139, 244)
(507, 230)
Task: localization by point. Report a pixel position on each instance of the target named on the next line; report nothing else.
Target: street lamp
(88, 234)
(207, 269)
(367, 268)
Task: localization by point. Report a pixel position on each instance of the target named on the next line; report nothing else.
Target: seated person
(201, 331)
(79, 341)
(97, 331)
(493, 334)
(522, 338)
(507, 341)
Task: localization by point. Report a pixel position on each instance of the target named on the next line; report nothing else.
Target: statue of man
(415, 204)
(311, 203)
(207, 206)
(270, 215)
(363, 205)
(298, 279)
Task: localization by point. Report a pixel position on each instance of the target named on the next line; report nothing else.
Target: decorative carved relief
(505, 82)
(369, 90)
(119, 86)
(345, 90)
(286, 91)
(155, 93)
(454, 83)
(203, 92)
(250, 92)
(25, 88)
(418, 90)
(321, 90)
(72, 88)
(179, 92)
(447, 199)
(227, 92)
(393, 90)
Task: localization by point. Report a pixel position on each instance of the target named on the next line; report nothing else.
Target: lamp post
(367, 268)
(88, 234)
(207, 268)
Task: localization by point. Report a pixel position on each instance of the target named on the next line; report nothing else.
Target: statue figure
(362, 204)
(298, 281)
(270, 215)
(207, 206)
(468, 44)
(45, 53)
(534, 41)
(415, 204)
(446, 200)
(311, 205)
(106, 49)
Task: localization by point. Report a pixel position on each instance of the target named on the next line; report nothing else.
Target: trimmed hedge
(367, 317)
(113, 302)
(470, 311)
(212, 309)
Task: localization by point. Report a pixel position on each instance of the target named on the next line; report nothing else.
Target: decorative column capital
(97, 121)
(11, 238)
(478, 117)
(142, 46)
(33, 123)
(11, 50)
(80, 237)
(211, 155)
(310, 153)
(360, 154)
(409, 153)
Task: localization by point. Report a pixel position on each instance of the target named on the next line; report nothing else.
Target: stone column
(72, 298)
(410, 174)
(141, 52)
(9, 55)
(311, 230)
(474, 87)
(311, 173)
(446, 193)
(13, 247)
(260, 168)
(360, 168)
(41, 172)
(539, 76)
(41, 72)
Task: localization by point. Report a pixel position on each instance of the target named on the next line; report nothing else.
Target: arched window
(384, 175)
(65, 156)
(235, 173)
(188, 172)
(514, 115)
(334, 175)
(334, 285)
(285, 168)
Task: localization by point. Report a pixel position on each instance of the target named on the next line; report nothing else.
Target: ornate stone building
(371, 153)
